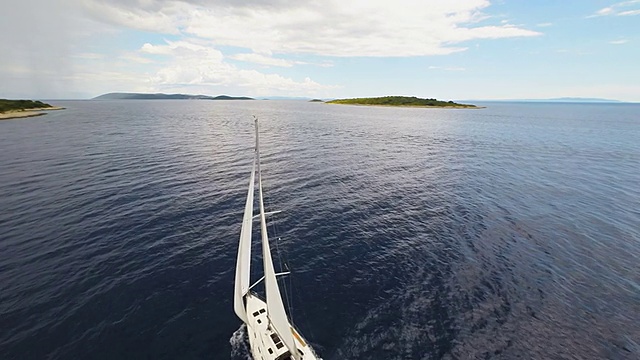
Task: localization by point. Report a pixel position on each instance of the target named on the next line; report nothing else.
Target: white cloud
(619, 42)
(136, 58)
(192, 64)
(329, 28)
(617, 9)
(59, 56)
(605, 11)
(135, 15)
(629, 12)
(262, 59)
(323, 64)
(268, 60)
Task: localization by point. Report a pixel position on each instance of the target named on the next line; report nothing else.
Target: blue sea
(506, 232)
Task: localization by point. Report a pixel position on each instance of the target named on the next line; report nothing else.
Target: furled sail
(243, 263)
(275, 306)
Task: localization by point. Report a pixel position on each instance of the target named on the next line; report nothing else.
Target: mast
(275, 307)
(243, 263)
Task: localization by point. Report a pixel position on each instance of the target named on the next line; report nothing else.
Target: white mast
(243, 263)
(275, 307)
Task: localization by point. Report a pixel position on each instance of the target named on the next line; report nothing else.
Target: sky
(449, 50)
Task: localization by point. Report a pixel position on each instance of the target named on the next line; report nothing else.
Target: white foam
(240, 344)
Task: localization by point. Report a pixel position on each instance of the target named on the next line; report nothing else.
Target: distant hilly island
(559, 100)
(159, 96)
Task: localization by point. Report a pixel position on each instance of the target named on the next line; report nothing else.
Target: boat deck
(265, 342)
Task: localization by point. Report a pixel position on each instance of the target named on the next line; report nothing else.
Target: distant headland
(159, 96)
(11, 109)
(408, 101)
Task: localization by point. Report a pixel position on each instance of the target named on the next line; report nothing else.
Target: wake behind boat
(271, 334)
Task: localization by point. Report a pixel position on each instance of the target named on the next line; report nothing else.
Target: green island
(409, 101)
(11, 109)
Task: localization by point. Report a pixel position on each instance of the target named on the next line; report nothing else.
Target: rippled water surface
(505, 232)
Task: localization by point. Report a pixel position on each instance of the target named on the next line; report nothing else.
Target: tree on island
(400, 101)
(14, 105)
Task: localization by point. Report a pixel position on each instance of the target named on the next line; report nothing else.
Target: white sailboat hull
(265, 343)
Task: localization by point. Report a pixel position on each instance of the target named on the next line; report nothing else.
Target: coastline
(414, 106)
(25, 113)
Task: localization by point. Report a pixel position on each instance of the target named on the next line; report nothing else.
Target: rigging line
(276, 235)
(286, 293)
(290, 301)
(283, 265)
(275, 232)
(287, 288)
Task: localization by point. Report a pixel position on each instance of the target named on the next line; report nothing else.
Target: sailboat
(271, 334)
